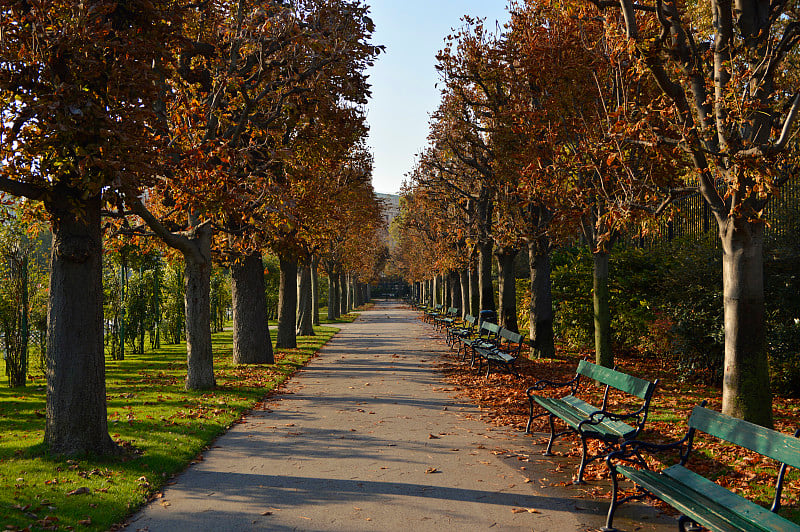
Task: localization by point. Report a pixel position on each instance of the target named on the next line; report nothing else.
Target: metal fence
(692, 218)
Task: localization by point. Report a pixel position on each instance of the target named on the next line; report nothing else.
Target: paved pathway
(367, 437)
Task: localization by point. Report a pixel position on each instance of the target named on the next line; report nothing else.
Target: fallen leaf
(79, 491)
(432, 437)
(432, 470)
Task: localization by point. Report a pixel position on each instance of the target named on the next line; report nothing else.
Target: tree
(15, 304)
(727, 73)
(77, 93)
(246, 82)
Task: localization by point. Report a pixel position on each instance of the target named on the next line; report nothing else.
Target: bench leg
(549, 450)
(614, 502)
(584, 461)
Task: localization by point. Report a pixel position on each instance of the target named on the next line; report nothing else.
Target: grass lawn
(162, 426)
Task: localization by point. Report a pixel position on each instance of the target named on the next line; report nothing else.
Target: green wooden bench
(701, 501)
(486, 337)
(442, 321)
(504, 354)
(431, 314)
(466, 329)
(589, 421)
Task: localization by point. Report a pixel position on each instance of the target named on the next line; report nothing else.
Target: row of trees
(588, 119)
(219, 129)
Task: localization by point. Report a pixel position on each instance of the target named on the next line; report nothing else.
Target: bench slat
(781, 447)
(703, 502)
(729, 500)
(621, 381)
(573, 410)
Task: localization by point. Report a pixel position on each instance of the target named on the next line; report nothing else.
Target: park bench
(486, 337)
(431, 314)
(466, 329)
(504, 354)
(589, 421)
(447, 319)
(700, 500)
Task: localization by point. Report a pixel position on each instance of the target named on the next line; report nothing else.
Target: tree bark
(251, 340)
(343, 304)
(333, 304)
(315, 291)
(602, 312)
(746, 389)
(455, 291)
(486, 289)
(76, 420)
(287, 304)
(474, 291)
(351, 292)
(305, 303)
(507, 288)
(541, 307)
(197, 297)
(463, 281)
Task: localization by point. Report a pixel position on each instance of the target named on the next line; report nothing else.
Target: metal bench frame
(701, 501)
(587, 420)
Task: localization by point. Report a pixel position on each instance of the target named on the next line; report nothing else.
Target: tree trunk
(333, 303)
(463, 278)
(287, 304)
(343, 294)
(474, 291)
(251, 340)
(507, 288)
(358, 298)
(315, 291)
(486, 289)
(746, 389)
(455, 291)
(541, 308)
(15, 323)
(305, 303)
(76, 420)
(197, 297)
(351, 292)
(447, 293)
(602, 313)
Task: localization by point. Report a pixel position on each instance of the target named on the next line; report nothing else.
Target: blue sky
(403, 79)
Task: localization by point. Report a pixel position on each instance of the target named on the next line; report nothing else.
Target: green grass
(150, 414)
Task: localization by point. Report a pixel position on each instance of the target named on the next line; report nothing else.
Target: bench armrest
(601, 415)
(544, 384)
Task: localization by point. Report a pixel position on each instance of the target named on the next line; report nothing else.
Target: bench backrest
(511, 336)
(452, 311)
(776, 445)
(492, 329)
(513, 341)
(616, 379)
